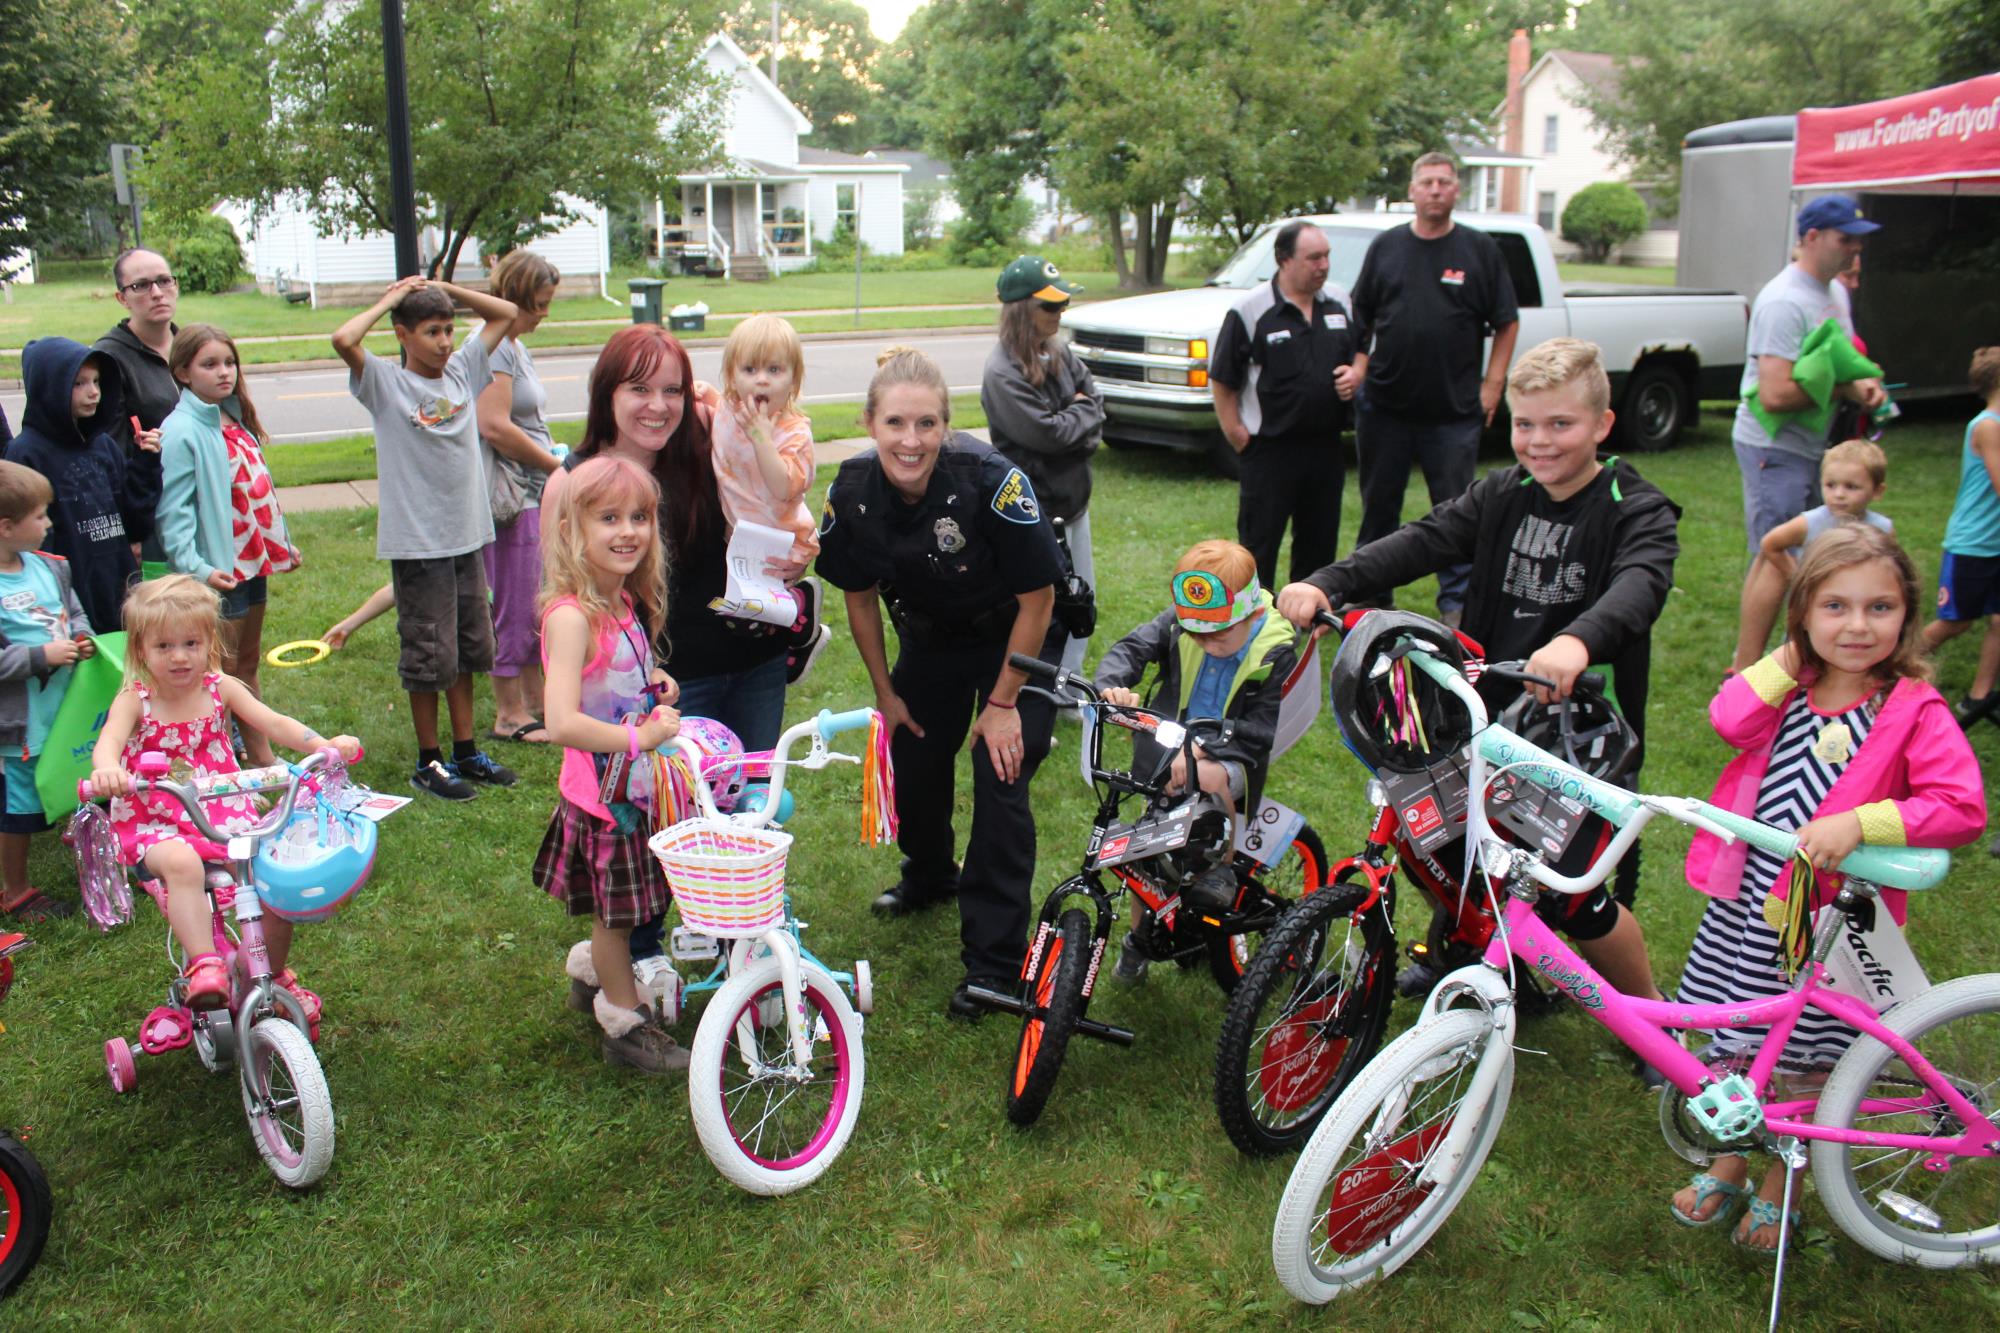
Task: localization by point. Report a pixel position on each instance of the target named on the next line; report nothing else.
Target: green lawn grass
(352, 457)
(1651, 275)
(492, 1171)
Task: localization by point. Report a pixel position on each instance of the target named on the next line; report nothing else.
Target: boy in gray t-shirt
(434, 516)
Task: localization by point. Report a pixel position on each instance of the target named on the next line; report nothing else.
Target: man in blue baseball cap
(1781, 471)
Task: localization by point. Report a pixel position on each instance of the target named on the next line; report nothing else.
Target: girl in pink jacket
(1842, 739)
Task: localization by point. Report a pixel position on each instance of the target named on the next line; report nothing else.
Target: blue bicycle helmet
(315, 863)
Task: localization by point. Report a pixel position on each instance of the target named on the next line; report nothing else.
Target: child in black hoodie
(74, 394)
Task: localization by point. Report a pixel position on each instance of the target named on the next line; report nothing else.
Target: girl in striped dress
(1841, 739)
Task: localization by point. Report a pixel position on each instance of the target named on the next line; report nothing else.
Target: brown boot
(633, 1038)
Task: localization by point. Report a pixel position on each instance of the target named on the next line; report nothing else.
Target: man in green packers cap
(1043, 410)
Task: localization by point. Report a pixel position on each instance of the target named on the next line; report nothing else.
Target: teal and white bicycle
(1904, 1134)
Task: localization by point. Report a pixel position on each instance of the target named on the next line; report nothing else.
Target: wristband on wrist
(631, 741)
(995, 703)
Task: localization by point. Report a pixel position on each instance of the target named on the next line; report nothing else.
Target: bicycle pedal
(1728, 1110)
(687, 945)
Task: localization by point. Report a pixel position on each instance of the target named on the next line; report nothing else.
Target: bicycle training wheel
(26, 1206)
(1045, 1036)
(769, 1124)
(1356, 1207)
(1300, 871)
(1929, 1206)
(287, 1103)
(1308, 1014)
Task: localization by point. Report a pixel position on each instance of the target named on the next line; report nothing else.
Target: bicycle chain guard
(1728, 1110)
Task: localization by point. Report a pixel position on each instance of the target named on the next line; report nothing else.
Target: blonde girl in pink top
(1841, 739)
(603, 591)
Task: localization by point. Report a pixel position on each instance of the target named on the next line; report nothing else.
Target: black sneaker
(805, 628)
(442, 781)
(1132, 961)
(1214, 890)
(482, 767)
(800, 659)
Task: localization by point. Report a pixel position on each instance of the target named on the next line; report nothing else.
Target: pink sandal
(308, 1001)
(207, 982)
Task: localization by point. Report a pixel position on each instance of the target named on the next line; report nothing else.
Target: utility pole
(402, 176)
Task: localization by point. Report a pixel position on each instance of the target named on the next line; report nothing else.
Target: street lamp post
(402, 177)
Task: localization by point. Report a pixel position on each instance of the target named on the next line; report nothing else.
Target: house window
(1545, 209)
(1489, 189)
(1549, 124)
(846, 209)
(770, 205)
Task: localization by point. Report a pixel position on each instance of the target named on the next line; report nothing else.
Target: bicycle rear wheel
(1926, 1206)
(1038, 1058)
(770, 1125)
(1308, 1015)
(1356, 1207)
(1300, 871)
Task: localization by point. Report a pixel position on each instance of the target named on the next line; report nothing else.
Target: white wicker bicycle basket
(728, 879)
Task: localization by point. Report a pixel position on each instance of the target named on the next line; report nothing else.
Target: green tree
(513, 103)
(1691, 63)
(826, 55)
(1601, 217)
(66, 80)
(1964, 38)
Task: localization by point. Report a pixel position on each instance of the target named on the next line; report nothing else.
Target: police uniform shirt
(976, 539)
(1281, 364)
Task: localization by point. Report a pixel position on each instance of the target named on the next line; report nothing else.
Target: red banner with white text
(1944, 134)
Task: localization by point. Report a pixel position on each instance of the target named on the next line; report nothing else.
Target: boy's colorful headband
(1203, 605)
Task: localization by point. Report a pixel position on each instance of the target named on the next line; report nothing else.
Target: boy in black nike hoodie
(74, 394)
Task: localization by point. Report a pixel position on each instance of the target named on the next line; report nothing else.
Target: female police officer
(950, 536)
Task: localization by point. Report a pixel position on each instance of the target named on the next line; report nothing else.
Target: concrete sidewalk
(364, 494)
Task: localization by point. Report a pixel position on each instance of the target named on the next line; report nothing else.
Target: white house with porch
(767, 200)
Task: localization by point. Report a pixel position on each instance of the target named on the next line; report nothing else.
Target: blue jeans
(750, 703)
(1447, 451)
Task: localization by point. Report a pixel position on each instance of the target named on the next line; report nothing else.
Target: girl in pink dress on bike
(178, 702)
(1842, 739)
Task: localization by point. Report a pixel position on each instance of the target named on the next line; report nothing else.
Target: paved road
(297, 406)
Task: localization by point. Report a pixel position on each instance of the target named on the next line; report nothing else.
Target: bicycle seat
(1908, 868)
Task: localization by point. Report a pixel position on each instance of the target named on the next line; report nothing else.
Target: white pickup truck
(1665, 348)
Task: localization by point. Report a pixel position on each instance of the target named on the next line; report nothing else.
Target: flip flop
(36, 907)
(1707, 1187)
(520, 733)
(1762, 1214)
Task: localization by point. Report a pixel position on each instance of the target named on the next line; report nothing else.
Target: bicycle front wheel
(1307, 1015)
(287, 1103)
(770, 1124)
(1058, 997)
(1299, 873)
(1357, 1207)
(1931, 1206)
(26, 1207)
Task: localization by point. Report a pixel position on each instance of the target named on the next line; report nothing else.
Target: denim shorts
(236, 603)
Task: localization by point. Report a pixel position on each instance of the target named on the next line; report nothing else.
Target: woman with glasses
(145, 286)
(1043, 410)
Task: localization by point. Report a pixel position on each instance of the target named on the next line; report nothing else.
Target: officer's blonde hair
(1559, 362)
(903, 364)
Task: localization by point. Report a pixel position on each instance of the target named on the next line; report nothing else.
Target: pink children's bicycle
(304, 859)
(1905, 1131)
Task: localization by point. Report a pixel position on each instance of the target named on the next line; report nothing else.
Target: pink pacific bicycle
(1904, 1133)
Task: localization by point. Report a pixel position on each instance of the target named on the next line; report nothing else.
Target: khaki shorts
(443, 620)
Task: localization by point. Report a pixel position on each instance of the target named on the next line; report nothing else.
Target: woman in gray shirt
(519, 460)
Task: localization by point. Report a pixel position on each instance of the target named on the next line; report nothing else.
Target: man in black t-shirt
(1427, 296)
(1276, 376)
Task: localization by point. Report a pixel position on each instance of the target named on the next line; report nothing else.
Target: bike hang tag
(1431, 804)
(1268, 834)
(1538, 816)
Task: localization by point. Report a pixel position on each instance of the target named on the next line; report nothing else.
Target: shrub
(1601, 217)
(205, 256)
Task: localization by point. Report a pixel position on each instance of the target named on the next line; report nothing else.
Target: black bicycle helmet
(1599, 740)
(1390, 713)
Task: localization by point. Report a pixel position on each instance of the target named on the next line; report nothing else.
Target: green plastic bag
(93, 684)
(154, 569)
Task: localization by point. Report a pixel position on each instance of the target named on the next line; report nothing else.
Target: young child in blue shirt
(1969, 577)
(43, 631)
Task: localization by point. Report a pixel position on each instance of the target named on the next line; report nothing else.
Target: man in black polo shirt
(1282, 405)
(1428, 293)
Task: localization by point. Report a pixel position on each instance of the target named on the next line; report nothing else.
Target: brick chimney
(1513, 135)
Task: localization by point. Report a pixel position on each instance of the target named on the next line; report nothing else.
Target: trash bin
(688, 323)
(646, 299)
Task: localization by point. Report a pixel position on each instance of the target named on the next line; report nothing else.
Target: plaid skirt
(594, 870)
